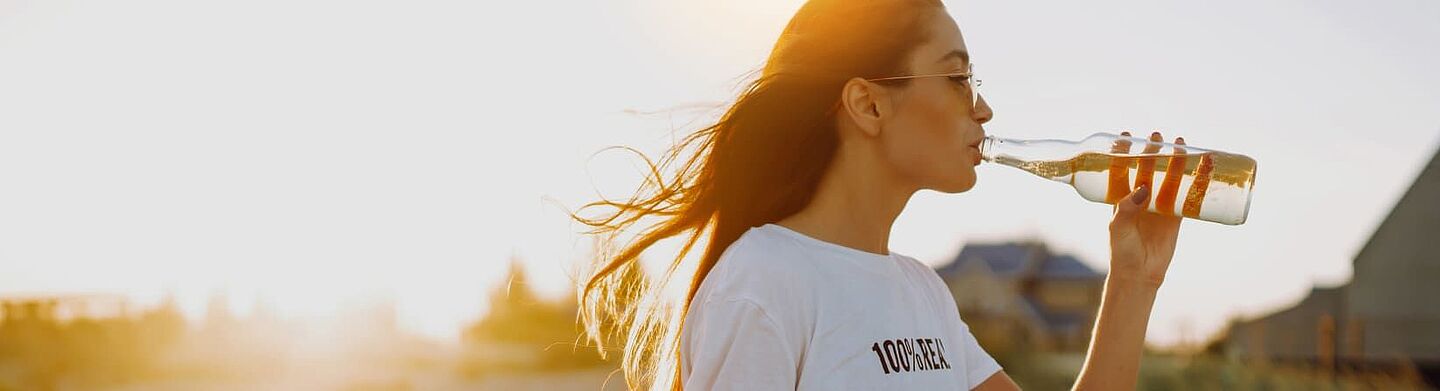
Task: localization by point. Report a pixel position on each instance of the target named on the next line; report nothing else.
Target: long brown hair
(759, 163)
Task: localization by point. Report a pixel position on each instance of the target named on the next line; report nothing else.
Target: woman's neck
(855, 205)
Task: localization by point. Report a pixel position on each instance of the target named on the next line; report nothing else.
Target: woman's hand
(1142, 243)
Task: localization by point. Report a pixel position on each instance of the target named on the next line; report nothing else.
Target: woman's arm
(1141, 247)
(1119, 339)
(1114, 358)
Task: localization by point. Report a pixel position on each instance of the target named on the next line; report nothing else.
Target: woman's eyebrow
(957, 53)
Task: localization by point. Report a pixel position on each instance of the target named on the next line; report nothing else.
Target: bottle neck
(1001, 150)
(988, 146)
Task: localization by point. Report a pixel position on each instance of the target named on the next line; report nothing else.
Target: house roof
(1027, 261)
(1005, 259)
(1019, 259)
(1067, 267)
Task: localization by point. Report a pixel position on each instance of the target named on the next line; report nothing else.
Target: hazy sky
(312, 152)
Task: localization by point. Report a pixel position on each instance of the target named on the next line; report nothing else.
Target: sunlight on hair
(716, 28)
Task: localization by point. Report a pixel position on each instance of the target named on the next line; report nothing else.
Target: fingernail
(1144, 191)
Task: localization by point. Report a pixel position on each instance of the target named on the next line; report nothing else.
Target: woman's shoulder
(910, 264)
(757, 266)
(923, 272)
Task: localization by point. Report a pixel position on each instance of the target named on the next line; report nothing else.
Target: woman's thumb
(1127, 207)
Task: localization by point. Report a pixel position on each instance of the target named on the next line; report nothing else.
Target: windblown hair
(760, 162)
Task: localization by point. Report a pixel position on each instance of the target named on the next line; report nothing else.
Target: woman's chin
(957, 185)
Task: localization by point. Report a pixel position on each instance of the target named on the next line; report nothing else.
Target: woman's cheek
(913, 152)
(945, 140)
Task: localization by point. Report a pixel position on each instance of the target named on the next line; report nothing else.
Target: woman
(794, 191)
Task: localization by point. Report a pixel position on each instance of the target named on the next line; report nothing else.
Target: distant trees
(517, 315)
(524, 332)
(39, 351)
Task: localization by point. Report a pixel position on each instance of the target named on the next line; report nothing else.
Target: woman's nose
(982, 112)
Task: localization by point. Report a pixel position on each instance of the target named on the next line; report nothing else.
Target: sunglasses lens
(974, 92)
(973, 87)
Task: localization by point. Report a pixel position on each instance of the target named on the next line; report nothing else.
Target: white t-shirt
(783, 311)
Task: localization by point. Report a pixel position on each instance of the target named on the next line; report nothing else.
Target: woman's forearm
(1113, 362)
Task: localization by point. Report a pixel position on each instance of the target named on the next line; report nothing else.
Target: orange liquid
(1216, 185)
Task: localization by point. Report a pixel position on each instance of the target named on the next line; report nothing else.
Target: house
(1387, 315)
(1023, 296)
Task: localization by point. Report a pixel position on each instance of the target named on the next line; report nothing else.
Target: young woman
(792, 194)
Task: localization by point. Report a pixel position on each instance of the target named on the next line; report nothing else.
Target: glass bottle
(1184, 180)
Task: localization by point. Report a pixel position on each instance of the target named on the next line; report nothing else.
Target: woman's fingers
(1119, 171)
(1145, 167)
(1170, 185)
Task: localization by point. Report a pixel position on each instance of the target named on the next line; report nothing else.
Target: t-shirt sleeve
(979, 366)
(735, 345)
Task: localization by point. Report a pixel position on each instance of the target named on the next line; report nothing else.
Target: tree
(522, 331)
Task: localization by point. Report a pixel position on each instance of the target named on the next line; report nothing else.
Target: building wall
(1395, 293)
(1389, 311)
(1069, 295)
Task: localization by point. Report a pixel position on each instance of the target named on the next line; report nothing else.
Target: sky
(306, 153)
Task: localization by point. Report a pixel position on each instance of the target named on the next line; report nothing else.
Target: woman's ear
(866, 104)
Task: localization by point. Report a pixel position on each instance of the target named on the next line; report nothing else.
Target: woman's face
(931, 140)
